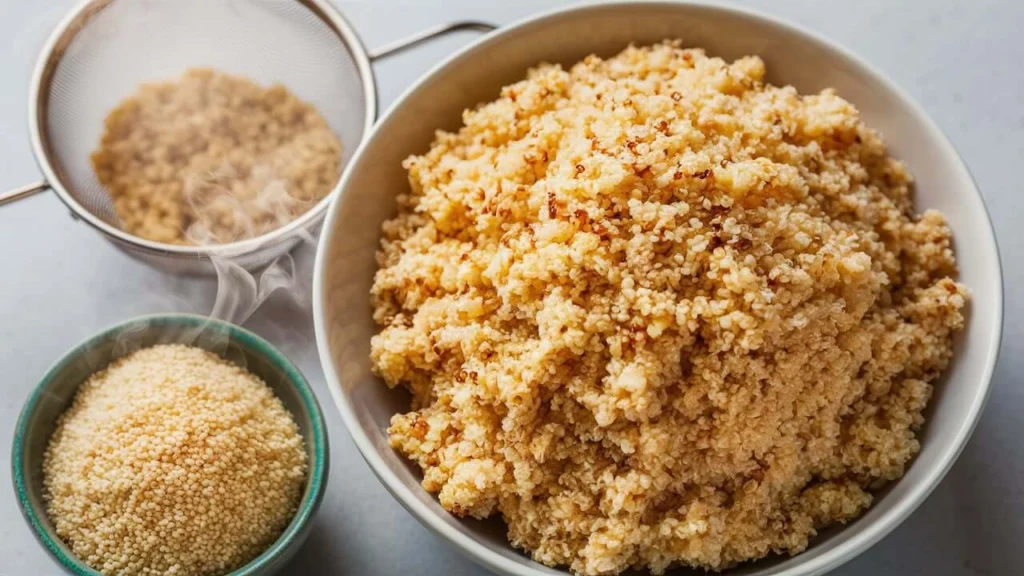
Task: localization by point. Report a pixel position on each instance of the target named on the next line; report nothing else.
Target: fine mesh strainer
(104, 49)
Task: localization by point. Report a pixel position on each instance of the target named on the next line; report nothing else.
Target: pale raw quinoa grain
(655, 311)
(173, 461)
(212, 158)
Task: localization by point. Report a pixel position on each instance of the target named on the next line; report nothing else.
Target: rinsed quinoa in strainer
(212, 158)
(655, 311)
(173, 461)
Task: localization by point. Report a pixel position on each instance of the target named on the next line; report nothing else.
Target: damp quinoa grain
(173, 461)
(212, 158)
(656, 311)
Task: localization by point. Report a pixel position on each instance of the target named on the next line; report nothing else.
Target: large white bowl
(345, 260)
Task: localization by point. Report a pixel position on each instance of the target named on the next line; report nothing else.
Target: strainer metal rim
(330, 15)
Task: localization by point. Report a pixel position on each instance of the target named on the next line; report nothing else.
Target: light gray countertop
(60, 281)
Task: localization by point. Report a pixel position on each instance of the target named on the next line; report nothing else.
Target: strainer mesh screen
(130, 42)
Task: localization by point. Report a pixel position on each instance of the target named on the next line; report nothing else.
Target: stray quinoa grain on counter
(655, 311)
(173, 461)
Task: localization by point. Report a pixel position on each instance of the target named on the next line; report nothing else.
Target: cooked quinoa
(173, 461)
(655, 311)
(211, 158)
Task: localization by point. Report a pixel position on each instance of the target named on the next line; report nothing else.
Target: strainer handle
(23, 192)
(403, 44)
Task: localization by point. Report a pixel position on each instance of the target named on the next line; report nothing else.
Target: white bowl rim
(480, 553)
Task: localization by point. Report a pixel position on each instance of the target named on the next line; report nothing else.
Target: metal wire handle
(404, 44)
(23, 192)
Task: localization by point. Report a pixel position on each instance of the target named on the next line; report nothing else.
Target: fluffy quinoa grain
(655, 311)
(173, 461)
(212, 158)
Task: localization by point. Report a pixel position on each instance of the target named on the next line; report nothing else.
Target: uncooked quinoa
(211, 158)
(173, 461)
(655, 311)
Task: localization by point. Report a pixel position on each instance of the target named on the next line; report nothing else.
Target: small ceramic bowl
(57, 388)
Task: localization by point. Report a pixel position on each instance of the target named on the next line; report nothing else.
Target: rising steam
(240, 292)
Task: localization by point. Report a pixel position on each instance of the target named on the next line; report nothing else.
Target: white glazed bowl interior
(345, 261)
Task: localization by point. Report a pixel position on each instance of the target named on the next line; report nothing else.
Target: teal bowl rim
(318, 469)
